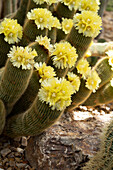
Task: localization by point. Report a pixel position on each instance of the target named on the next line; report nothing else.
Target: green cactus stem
(30, 32)
(20, 14)
(7, 7)
(52, 34)
(29, 95)
(80, 42)
(14, 82)
(63, 11)
(103, 160)
(14, 5)
(4, 49)
(80, 96)
(104, 95)
(2, 116)
(43, 55)
(32, 122)
(32, 5)
(104, 71)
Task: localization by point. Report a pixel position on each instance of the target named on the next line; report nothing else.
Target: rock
(65, 145)
(21, 165)
(20, 150)
(5, 152)
(24, 141)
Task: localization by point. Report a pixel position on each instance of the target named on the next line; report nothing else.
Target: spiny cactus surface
(46, 67)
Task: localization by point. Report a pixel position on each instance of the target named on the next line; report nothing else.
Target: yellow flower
(55, 23)
(72, 4)
(20, 56)
(39, 2)
(83, 67)
(49, 2)
(43, 18)
(110, 56)
(88, 5)
(67, 25)
(74, 80)
(11, 30)
(64, 55)
(45, 41)
(44, 71)
(56, 93)
(89, 23)
(93, 81)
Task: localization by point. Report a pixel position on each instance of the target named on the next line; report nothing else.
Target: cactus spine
(45, 70)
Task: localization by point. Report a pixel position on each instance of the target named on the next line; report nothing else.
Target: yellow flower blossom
(44, 71)
(98, 2)
(67, 25)
(49, 2)
(43, 18)
(110, 56)
(88, 5)
(45, 41)
(11, 30)
(55, 23)
(93, 81)
(39, 2)
(74, 80)
(64, 55)
(89, 23)
(56, 93)
(20, 56)
(71, 4)
(83, 67)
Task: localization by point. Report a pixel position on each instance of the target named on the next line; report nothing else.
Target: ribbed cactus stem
(14, 5)
(20, 14)
(32, 122)
(29, 95)
(32, 5)
(103, 160)
(80, 42)
(60, 35)
(104, 71)
(103, 4)
(30, 31)
(14, 82)
(43, 54)
(52, 34)
(104, 95)
(2, 116)
(4, 50)
(99, 49)
(7, 7)
(63, 11)
(80, 96)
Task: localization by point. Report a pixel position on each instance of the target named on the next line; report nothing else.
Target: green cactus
(104, 158)
(45, 71)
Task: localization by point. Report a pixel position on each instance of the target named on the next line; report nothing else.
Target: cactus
(104, 158)
(44, 68)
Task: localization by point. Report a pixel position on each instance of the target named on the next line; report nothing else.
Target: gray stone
(24, 141)
(21, 165)
(5, 152)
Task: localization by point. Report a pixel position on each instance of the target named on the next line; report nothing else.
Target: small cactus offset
(46, 63)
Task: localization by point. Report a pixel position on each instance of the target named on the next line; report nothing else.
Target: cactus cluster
(44, 68)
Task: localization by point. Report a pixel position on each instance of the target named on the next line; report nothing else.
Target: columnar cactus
(44, 65)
